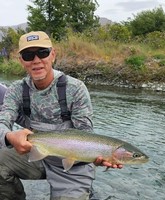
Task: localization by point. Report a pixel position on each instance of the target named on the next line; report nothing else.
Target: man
(36, 56)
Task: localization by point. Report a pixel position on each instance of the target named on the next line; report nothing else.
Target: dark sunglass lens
(28, 56)
(43, 53)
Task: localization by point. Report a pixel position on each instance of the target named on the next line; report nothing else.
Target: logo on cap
(32, 37)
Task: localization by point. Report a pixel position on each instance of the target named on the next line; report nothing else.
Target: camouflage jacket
(44, 104)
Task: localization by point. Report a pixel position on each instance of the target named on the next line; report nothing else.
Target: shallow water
(138, 117)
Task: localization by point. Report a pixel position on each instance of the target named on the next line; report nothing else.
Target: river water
(138, 117)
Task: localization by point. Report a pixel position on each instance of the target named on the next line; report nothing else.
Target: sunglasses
(41, 53)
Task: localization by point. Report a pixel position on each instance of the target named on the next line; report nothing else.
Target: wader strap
(61, 90)
(26, 99)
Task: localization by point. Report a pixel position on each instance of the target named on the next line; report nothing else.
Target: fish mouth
(142, 159)
(145, 159)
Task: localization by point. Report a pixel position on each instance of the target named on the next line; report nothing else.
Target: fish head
(128, 154)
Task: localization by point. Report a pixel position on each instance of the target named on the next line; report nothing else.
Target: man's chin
(39, 78)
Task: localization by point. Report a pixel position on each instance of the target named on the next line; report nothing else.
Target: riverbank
(92, 72)
(101, 73)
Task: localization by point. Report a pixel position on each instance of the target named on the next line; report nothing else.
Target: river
(138, 117)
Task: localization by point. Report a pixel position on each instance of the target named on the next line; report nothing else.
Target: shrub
(156, 39)
(119, 33)
(136, 62)
(12, 67)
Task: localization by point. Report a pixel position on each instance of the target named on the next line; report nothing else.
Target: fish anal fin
(67, 163)
(36, 154)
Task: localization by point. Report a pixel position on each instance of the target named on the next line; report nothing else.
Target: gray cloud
(137, 5)
(119, 10)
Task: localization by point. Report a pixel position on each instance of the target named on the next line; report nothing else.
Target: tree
(36, 21)
(119, 32)
(80, 15)
(55, 16)
(10, 39)
(147, 22)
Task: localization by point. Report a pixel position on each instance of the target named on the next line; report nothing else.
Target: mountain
(103, 21)
(22, 26)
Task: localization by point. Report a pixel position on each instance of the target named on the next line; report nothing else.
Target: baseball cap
(34, 39)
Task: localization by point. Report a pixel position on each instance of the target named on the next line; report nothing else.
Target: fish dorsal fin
(67, 163)
(35, 154)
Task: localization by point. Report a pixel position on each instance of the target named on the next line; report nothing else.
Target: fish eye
(136, 155)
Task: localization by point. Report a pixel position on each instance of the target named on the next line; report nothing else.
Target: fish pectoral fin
(107, 168)
(67, 163)
(35, 154)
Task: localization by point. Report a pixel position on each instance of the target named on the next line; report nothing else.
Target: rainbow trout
(75, 145)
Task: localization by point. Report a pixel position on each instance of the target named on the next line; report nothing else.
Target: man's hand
(18, 139)
(100, 162)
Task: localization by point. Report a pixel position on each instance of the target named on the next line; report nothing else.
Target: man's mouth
(37, 68)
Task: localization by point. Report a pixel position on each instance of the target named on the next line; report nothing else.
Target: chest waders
(81, 175)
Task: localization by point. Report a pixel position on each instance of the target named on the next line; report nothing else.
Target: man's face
(38, 62)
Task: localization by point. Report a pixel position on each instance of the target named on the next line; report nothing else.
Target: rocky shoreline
(154, 86)
(103, 73)
(158, 87)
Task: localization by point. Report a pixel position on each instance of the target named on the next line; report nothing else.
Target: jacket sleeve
(81, 108)
(9, 112)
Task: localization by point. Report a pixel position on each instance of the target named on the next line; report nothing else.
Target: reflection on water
(137, 117)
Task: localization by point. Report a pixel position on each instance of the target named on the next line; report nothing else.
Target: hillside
(103, 21)
(21, 26)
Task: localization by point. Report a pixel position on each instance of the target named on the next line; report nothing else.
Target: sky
(13, 12)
